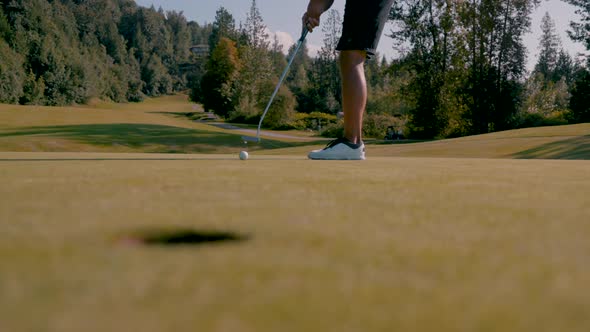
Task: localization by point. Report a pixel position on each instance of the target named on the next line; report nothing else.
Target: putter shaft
(299, 43)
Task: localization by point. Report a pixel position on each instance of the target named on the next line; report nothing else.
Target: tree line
(461, 71)
(468, 60)
(69, 51)
(244, 66)
(461, 68)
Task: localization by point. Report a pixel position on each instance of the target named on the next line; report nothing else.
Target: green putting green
(405, 244)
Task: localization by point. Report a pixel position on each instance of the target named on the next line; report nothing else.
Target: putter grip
(304, 32)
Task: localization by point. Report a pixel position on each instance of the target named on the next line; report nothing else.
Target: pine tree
(581, 30)
(5, 30)
(279, 62)
(256, 71)
(322, 93)
(580, 99)
(549, 44)
(428, 26)
(565, 67)
(255, 29)
(297, 78)
(69, 51)
(224, 25)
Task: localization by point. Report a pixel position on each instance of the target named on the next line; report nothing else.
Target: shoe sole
(361, 158)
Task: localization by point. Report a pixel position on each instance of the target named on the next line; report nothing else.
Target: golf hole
(172, 238)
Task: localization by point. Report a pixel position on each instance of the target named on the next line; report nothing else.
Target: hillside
(560, 142)
(161, 125)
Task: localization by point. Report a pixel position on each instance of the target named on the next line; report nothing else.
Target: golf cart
(392, 134)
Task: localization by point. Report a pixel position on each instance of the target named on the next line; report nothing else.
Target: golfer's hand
(310, 20)
(315, 8)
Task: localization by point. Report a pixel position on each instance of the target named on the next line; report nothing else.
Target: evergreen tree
(428, 26)
(549, 44)
(181, 43)
(69, 51)
(468, 60)
(496, 58)
(277, 58)
(5, 30)
(33, 91)
(256, 70)
(12, 75)
(156, 78)
(580, 99)
(297, 78)
(323, 93)
(255, 29)
(581, 30)
(565, 67)
(224, 25)
(199, 34)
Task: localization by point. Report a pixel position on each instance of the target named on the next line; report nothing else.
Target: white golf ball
(243, 155)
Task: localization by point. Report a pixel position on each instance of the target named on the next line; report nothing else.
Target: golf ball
(243, 155)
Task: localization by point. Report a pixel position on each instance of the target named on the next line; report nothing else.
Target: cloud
(286, 40)
(313, 50)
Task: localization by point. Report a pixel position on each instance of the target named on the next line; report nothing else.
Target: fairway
(390, 244)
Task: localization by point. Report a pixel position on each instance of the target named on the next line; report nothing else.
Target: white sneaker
(340, 149)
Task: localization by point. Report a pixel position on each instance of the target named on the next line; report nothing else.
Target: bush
(333, 130)
(375, 125)
(580, 100)
(282, 109)
(246, 112)
(33, 91)
(279, 116)
(318, 120)
(298, 121)
(537, 120)
(312, 121)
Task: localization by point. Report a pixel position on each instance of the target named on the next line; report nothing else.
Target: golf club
(256, 139)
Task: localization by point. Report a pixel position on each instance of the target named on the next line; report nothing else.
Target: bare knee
(352, 58)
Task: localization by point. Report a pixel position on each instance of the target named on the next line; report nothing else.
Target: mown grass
(153, 126)
(409, 240)
(559, 142)
(160, 125)
(412, 244)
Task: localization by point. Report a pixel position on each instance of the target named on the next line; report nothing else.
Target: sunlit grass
(63, 129)
(154, 126)
(147, 236)
(410, 244)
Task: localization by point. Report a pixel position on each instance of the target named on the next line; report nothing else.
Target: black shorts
(363, 25)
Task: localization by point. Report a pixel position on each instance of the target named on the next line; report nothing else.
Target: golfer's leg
(354, 93)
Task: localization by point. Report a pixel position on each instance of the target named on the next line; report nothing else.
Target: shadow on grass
(185, 237)
(193, 116)
(397, 142)
(165, 139)
(572, 148)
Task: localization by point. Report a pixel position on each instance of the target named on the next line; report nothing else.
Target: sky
(283, 19)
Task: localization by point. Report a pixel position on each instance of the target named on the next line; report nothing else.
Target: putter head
(247, 139)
